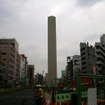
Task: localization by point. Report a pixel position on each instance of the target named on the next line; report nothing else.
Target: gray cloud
(26, 20)
(3, 13)
(87, 3)
(92, 37)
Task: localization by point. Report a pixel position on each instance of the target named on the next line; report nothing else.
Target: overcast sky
(76, 21)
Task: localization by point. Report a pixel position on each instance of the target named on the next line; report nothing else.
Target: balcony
(99, 51)
(100, 62)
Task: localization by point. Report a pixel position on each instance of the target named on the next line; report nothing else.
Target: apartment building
(69, 69)
(88, 58)
(100, 54)
(39, 79)
(10, 62)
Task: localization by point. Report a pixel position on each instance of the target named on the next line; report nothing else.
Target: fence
(17, 96)
(90, 90)
(95, 87)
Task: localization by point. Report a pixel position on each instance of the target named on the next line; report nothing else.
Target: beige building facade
(10, 61)
(52, 60)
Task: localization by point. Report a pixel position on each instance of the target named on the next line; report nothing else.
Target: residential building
(102, 39)
(69, 69)
(39, 79)
(2, 67)
(52, 59)
(10, 62)
(23, 69)
(88, 59)
(100, 54)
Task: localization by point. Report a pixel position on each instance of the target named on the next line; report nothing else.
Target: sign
(63, 73)
(85, 82)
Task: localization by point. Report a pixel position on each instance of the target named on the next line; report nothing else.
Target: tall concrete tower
(52, 60)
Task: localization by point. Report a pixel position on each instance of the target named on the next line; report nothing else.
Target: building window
(3, 48)
(11, 66)
(12, 49)
(17, 75)
(3, 59)
(11, 72)
(12, 55)
(12, 61)
(82, 49)
(3, 53)
(10, 78)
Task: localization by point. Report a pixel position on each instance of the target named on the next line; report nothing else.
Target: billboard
(62, 73)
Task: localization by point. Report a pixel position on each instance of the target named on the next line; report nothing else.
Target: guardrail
(62, 97)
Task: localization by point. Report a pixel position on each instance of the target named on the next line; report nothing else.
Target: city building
(69, 69)
(39, 79)
(30, 75)
(102, 40)
(46, 79)
(65, 77)
(76, 64)
(2, 67)
(23, 69)
(88, 58)
(100, 54)
(52, 59)
(10, 62)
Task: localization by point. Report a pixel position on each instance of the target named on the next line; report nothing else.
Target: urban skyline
(77, 21)
(91, 61)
